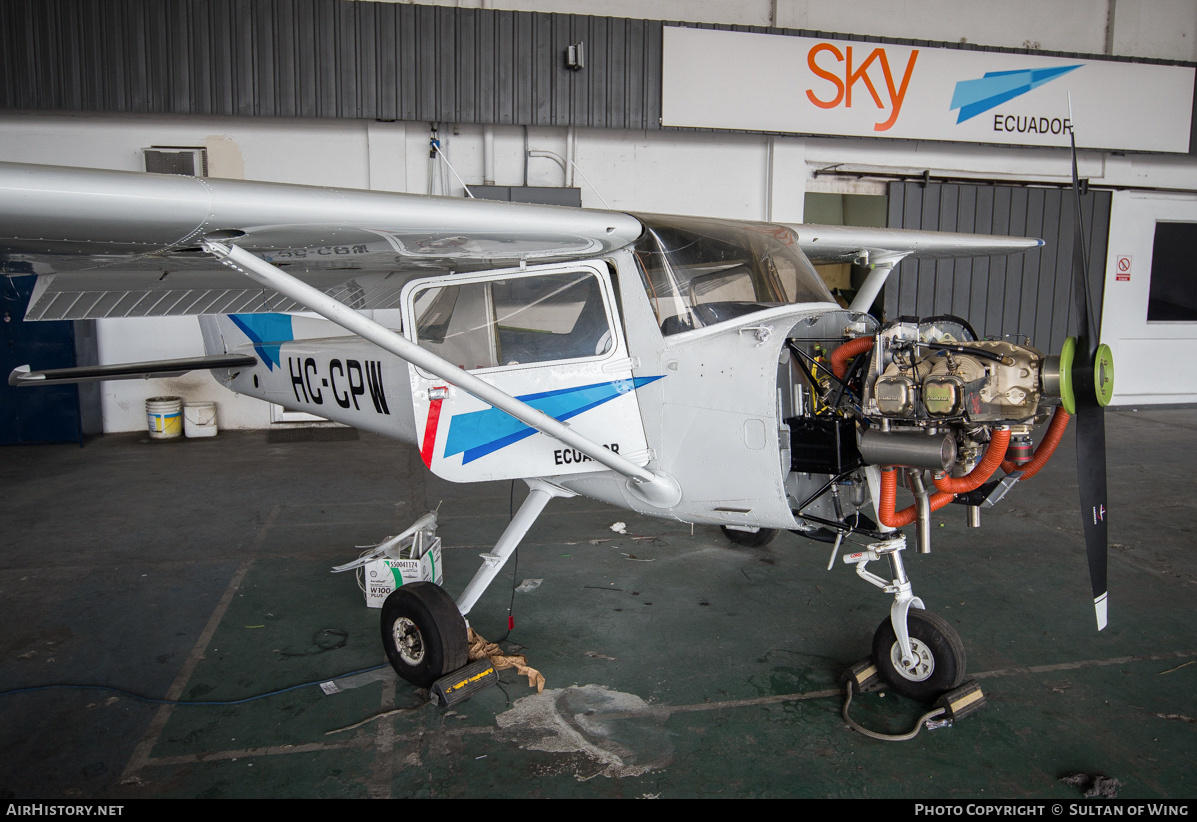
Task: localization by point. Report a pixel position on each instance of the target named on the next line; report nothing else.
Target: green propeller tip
(1103, 375)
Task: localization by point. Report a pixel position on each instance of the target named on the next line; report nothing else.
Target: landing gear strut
(917, 653)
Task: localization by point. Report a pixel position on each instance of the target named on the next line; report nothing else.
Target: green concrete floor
(677, 665)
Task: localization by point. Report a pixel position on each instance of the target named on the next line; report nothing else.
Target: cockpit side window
(514, 320)
(700, 272)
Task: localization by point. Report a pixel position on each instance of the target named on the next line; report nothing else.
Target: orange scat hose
(983, 469)
(841, 356)
(948, 487)
(889, 495)
(1046, 448)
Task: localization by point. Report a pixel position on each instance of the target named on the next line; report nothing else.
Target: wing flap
(86, 295)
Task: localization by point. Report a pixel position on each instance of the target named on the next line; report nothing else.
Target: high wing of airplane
(682, 367)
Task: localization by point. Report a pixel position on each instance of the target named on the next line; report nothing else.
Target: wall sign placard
(803, 85)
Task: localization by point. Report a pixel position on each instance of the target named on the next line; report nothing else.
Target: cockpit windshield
(699, 272)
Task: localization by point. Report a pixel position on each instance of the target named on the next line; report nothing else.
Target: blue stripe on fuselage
(267, 332)
(479, 433)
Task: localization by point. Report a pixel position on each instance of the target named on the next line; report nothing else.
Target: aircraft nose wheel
(424, 634)
(924, 661)
(939, 656)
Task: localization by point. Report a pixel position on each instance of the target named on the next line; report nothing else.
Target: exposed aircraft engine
(921, 403)
(931, 377)
(937, 370)
(937, 409)
(930, 381)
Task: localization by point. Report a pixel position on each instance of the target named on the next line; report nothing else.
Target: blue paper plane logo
(267, 332)
(975, 97)
(479, 433)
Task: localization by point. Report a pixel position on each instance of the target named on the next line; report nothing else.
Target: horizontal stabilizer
(127, 371)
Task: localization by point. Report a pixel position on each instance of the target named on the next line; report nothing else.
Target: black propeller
(1091, 370)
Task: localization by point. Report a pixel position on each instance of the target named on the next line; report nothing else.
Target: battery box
(823, 445)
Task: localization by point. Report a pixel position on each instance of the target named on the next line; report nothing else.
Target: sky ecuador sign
(805, 85)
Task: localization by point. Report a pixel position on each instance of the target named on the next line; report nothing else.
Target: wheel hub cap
(924, 661)
(408, 641)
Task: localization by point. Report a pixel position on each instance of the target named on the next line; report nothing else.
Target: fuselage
(671, 358)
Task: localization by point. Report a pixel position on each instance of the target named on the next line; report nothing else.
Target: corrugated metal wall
(1029, 293)
(328, 58)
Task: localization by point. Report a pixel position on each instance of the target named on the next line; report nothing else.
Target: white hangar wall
(1161, 29)
(719, 174)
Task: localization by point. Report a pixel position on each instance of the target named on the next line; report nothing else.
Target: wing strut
(880, 267)
(655, 488)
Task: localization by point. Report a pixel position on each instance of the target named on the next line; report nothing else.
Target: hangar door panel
(1030, 293)
(58, 413)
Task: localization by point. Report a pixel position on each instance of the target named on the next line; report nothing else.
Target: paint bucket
(199, 419)
(165, 417)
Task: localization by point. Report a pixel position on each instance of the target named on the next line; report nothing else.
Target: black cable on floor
(923, 720)
(156, 701)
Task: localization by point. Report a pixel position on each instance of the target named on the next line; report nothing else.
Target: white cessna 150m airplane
(685, 368)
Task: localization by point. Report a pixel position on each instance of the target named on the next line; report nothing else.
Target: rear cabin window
(514, 321)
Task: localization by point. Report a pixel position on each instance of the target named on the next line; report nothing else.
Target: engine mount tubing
(1047, 447)
(841, 356)
(889, 496)
(983, 470)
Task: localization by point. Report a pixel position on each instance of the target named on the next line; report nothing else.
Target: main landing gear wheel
(424, 634)
(938, 651)
(749, 539)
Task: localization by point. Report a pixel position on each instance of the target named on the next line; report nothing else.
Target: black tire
(423, 633)
(748, 539)
(939, 648)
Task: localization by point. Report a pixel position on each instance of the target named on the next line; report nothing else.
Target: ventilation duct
(176, 160)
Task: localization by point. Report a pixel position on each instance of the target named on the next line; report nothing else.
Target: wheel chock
(951, 706)
(463, 683)
(960, 702)
(864, 676)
